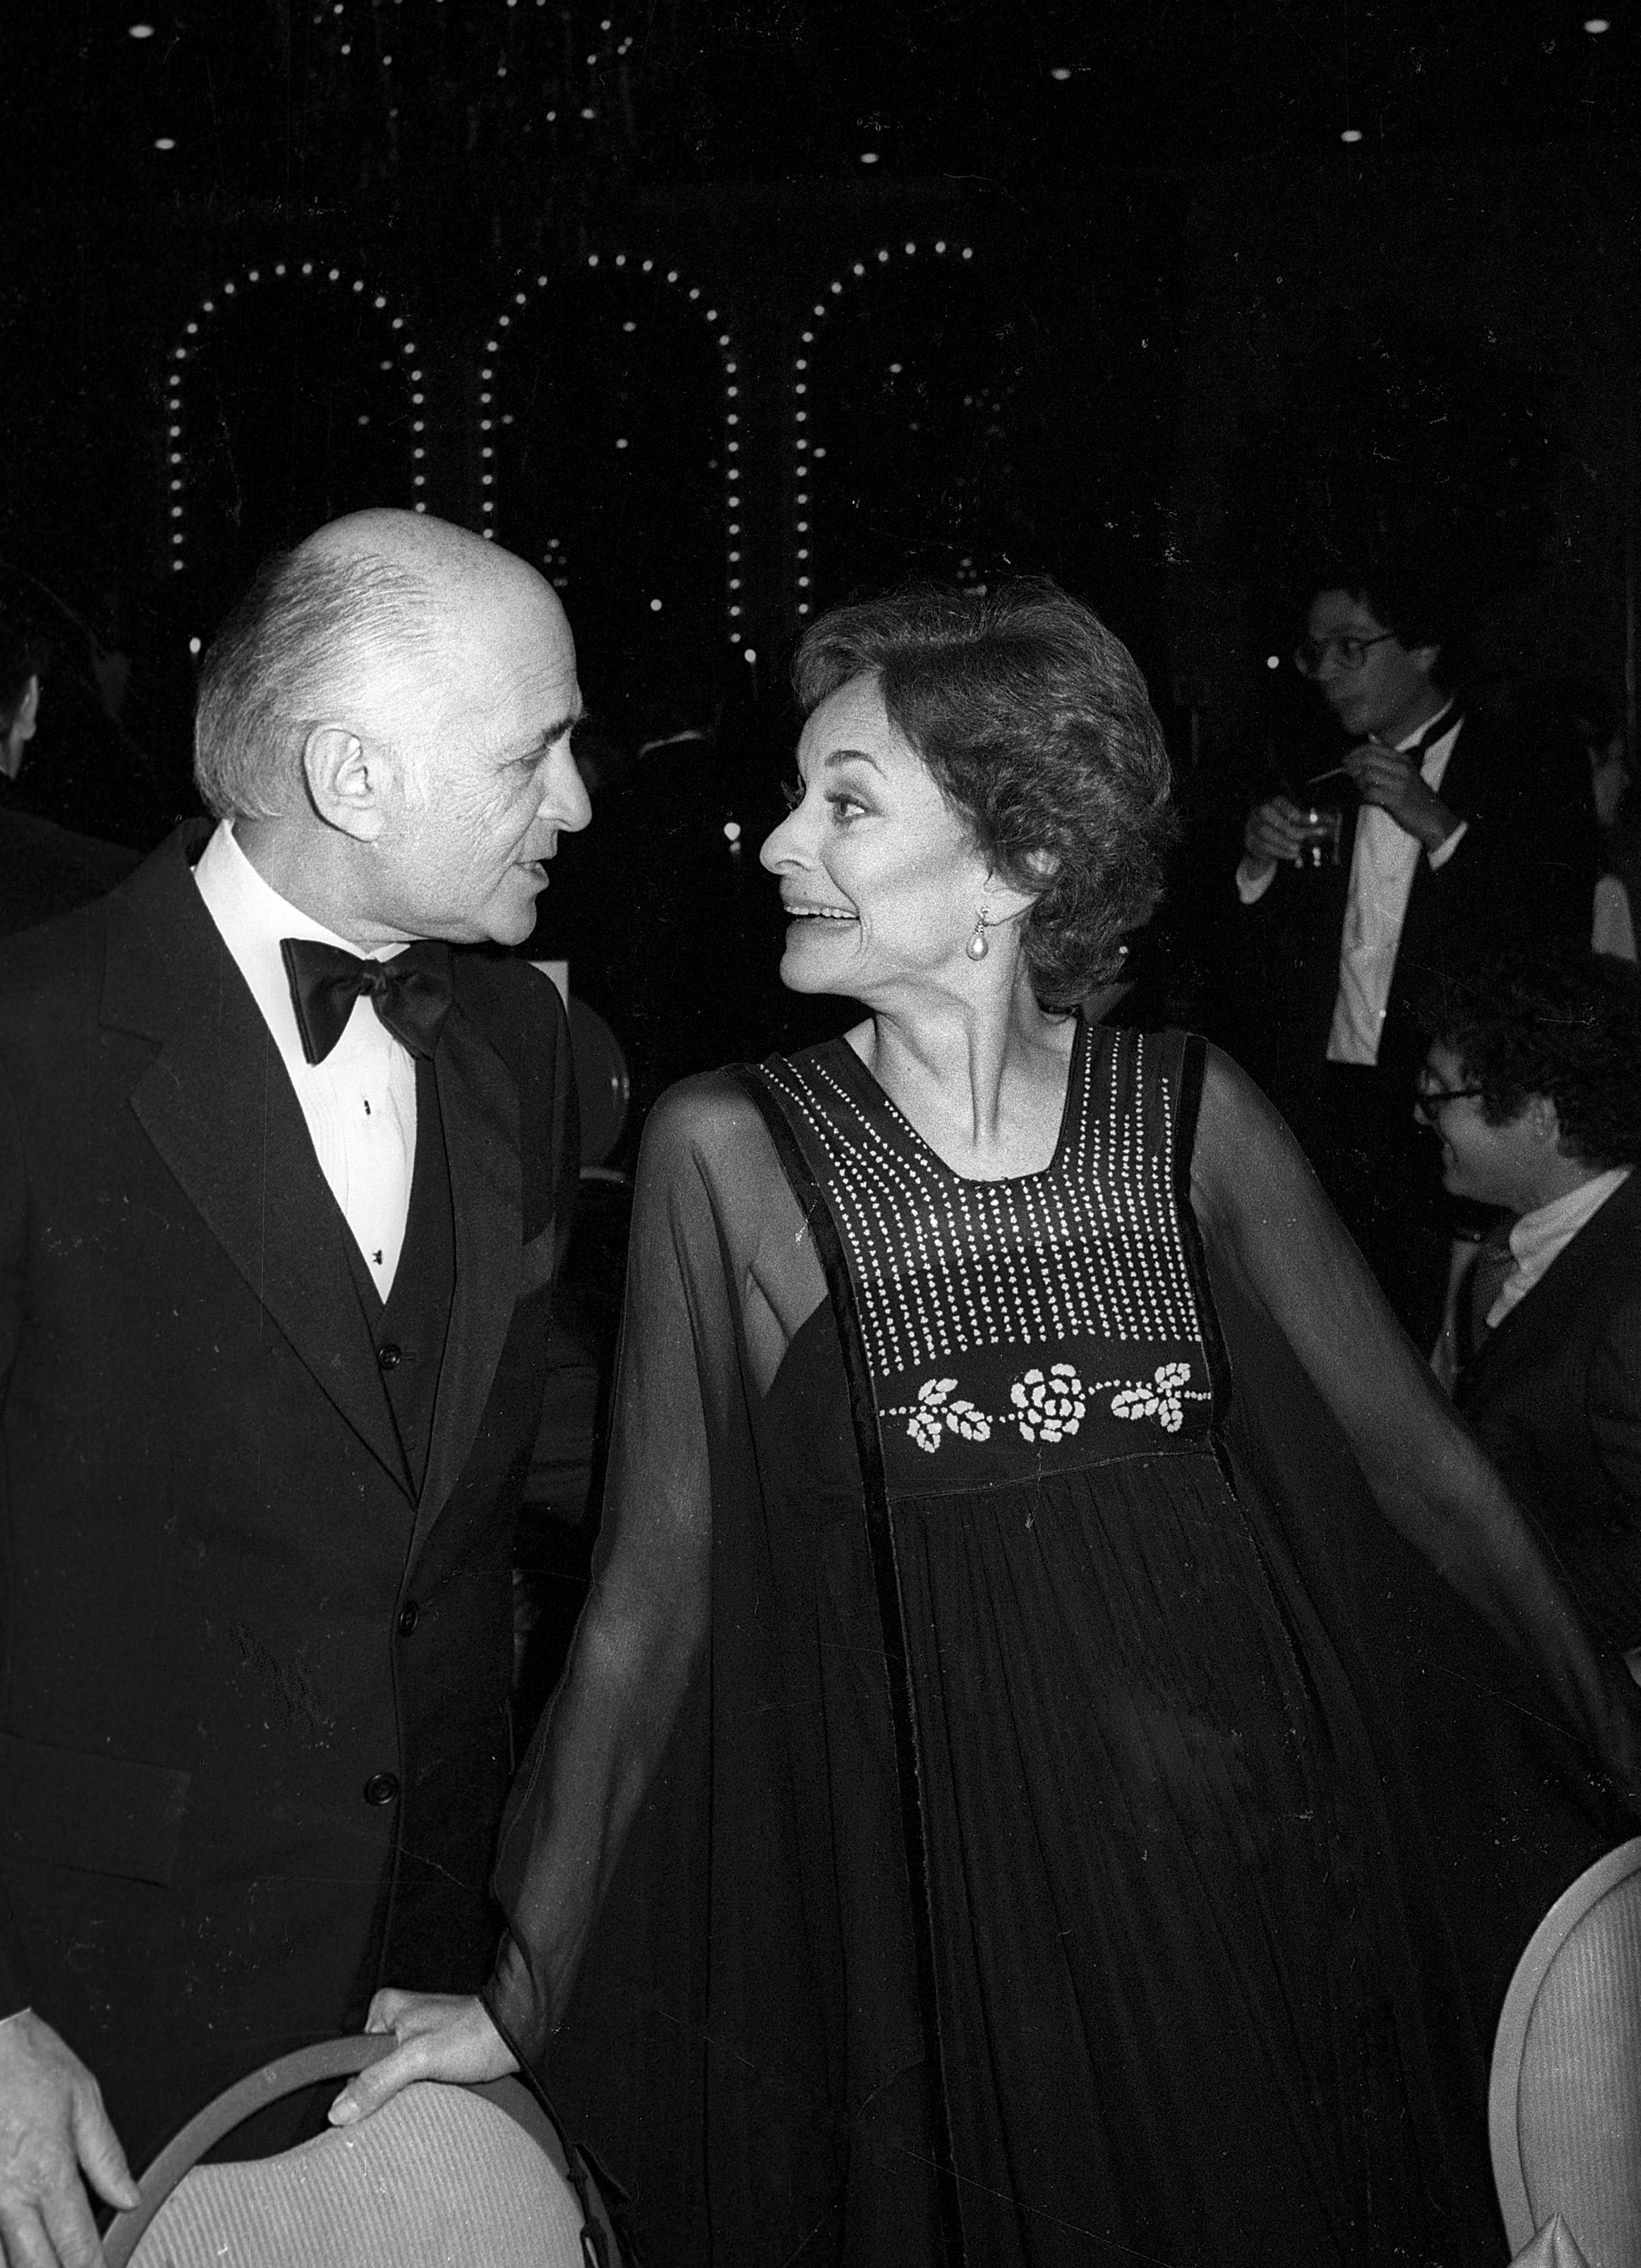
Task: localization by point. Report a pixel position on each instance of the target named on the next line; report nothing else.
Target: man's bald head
(457, 568)
(357, 626)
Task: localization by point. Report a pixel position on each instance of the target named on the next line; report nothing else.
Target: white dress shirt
(360, 1102)
(1539, 1237)
(1382, 866)
(1383, 862)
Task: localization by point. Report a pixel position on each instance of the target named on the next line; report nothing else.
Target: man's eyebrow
(854, 756)
(549, 734)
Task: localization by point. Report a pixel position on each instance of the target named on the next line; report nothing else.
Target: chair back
(1564, 2104)
(440, 2177)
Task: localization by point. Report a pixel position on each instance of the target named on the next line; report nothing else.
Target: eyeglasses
(1310, 655)
(1429, 1100)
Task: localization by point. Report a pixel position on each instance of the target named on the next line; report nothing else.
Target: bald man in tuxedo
(284, 1153)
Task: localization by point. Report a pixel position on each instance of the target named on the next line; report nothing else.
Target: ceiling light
(1596, 25)
(164, 142)
(868, 157)
(146, 31)
(1060, 72)
(1351, 133)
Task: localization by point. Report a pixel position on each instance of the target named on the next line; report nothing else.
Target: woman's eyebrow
(853, 756)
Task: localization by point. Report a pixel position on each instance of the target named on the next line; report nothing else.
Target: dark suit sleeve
(1525, 869)
(566, 1119)
(1615, 1401)
(14, 1990)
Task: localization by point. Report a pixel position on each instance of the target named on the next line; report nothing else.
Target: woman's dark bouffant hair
(1033, 721)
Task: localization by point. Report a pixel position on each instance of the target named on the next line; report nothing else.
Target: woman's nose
(782, 848)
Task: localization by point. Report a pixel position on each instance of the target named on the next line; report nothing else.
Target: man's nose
(564, 796)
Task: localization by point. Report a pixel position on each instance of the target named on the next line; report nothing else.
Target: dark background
(1106, 294)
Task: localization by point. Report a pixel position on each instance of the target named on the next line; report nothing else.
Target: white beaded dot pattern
(1090, 1248)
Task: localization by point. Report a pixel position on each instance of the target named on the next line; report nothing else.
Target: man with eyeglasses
(1531, 1089)
(1448, 841)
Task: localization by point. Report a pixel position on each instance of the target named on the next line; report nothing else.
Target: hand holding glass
(1320, 829)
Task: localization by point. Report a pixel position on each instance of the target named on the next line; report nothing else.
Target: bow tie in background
(410, 993)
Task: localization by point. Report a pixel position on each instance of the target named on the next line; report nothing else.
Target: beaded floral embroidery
(1047, 1404)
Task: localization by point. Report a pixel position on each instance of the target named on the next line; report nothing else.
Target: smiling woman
(1030, 722)
(880, 874)
(969, 1828)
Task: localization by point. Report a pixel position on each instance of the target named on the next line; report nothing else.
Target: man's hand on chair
(54, 2138)
(445, 2036)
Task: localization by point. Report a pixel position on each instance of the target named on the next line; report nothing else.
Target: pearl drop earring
(977, 947)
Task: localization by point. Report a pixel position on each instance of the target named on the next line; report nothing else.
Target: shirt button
(410, 1615)
(381, 1788)
(389, 1355)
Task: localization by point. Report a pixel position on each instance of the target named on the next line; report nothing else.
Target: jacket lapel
(217, 1105)
(479, 1103)
(1544, 1319)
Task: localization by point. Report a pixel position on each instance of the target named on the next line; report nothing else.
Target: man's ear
(347, 781)
(1424, 659)
(1544, 1119)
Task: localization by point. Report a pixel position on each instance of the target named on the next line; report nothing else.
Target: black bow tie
(410, 992)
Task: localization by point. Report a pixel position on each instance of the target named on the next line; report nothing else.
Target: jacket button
(410, 1615)
(389, 1355)
(381, 1788)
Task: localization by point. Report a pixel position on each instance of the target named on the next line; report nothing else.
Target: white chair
(440, 2178)
(1551, 2248)
(1565, 2104)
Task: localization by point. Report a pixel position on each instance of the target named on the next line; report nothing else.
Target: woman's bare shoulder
(709, 1116)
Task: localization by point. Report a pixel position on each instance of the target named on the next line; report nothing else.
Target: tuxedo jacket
(1524, 872)
(45, 869)
(253, 1679)
(1554, 1394)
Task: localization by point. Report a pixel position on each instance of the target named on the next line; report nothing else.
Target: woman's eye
(845, 807)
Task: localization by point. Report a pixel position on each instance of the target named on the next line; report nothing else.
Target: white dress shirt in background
(1382, 866)
(1383, 862)
(1538, 1237)
(360, 1102)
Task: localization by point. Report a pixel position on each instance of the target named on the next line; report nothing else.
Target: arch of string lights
(194, 337)
(627, 264)
(806, 452)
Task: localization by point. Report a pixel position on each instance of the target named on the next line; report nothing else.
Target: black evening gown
(1037, 1873)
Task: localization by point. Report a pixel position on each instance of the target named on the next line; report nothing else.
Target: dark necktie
(1494, 1264)
(410, 993)
(1439, 728)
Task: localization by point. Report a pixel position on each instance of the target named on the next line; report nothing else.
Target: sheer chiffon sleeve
(1268, 1226)
(719, 1277)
